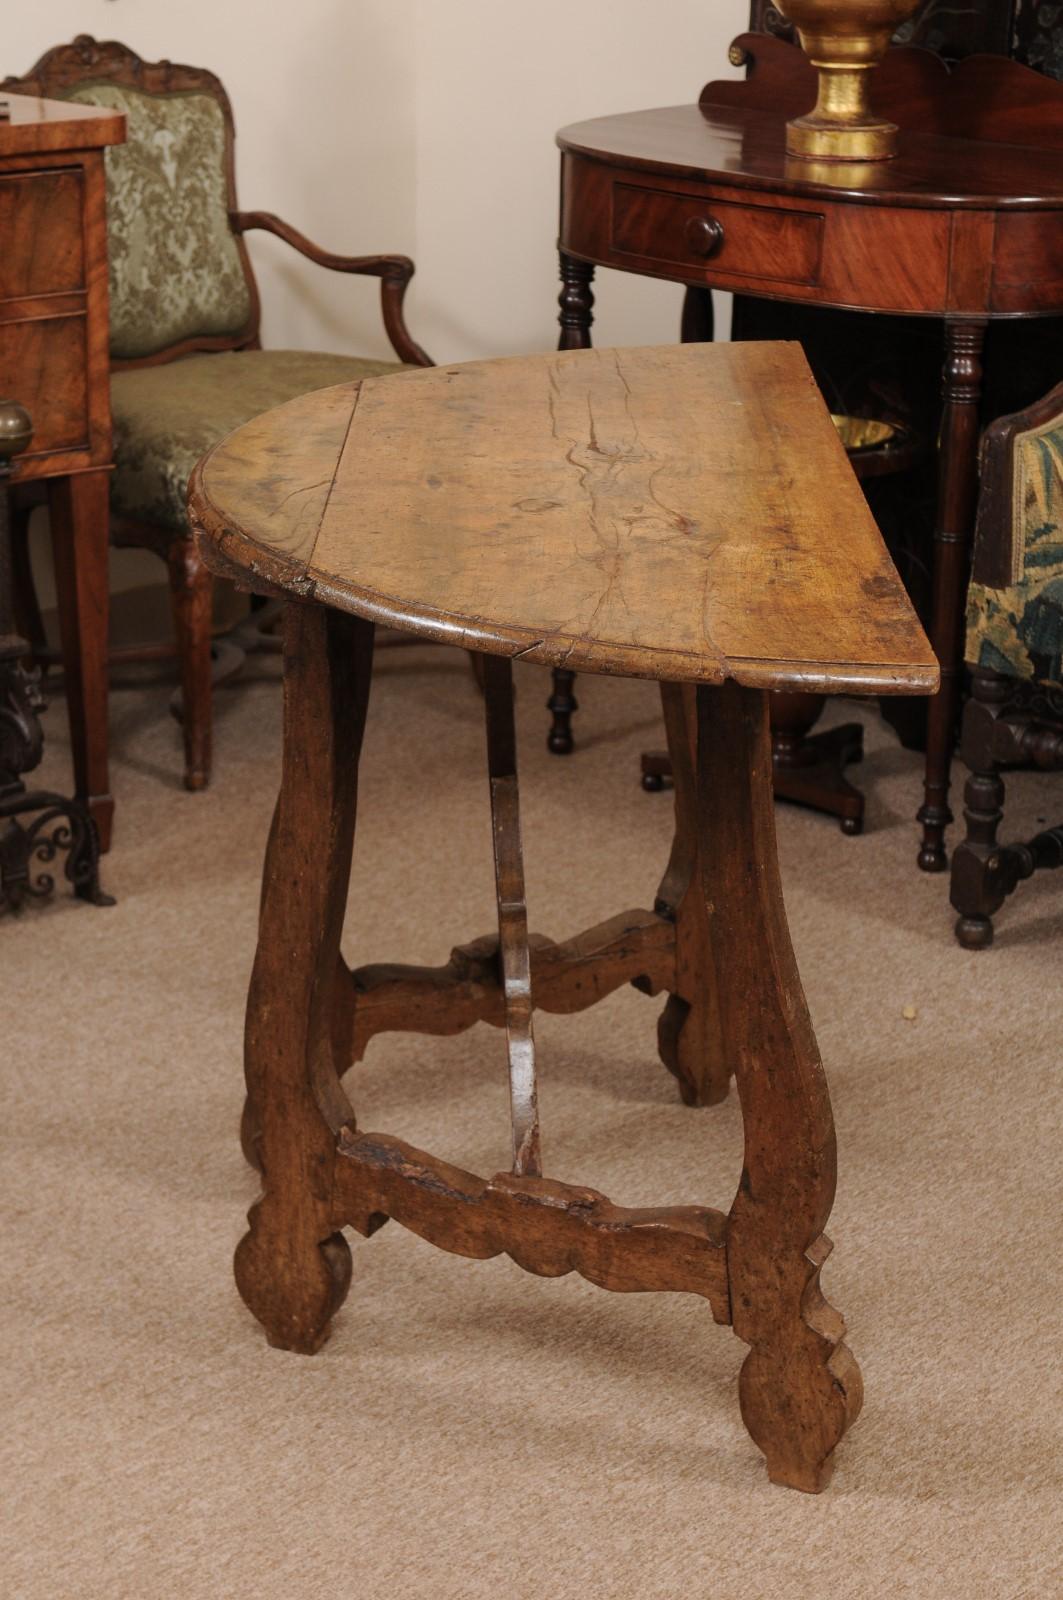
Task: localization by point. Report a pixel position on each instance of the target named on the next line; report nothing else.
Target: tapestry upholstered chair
(1015, 651)
(187, 364)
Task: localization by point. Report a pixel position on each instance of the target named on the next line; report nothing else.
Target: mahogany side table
(965, 225)
(615, 510)
(53, 354)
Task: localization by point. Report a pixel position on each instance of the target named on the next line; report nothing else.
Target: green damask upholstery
(1015, 603)
(175, 268)
(166, 417)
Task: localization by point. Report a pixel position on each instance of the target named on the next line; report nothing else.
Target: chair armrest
(394, 273)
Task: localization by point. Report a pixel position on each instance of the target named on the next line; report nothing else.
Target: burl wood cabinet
(54, 361)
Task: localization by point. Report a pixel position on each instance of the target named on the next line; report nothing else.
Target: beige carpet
(471, 1431)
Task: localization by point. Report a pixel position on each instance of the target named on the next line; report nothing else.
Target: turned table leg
(957, 488)
(292, 1269)
(576, 301)
(800, 1388)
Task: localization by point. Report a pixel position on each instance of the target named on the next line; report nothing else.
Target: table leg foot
(933, 856)
(291, 1282)
(799, 1396)
(800, 1387)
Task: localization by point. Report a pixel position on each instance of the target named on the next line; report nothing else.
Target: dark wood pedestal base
(807, 768)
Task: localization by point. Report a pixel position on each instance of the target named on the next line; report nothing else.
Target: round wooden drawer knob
(704, 236)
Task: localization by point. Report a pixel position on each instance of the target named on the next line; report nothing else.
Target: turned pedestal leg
(292, 1269)
(809, 768)
(689, 1033)
(957, 487)
(800, 1387)
(975, 892)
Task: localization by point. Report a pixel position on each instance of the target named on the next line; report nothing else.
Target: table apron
(843, 254)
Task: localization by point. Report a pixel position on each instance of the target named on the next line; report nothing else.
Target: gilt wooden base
(715, 943)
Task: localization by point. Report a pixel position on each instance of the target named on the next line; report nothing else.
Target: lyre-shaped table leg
(512, 913)
(689, 1036)
(292, 1269)
(800, 1387)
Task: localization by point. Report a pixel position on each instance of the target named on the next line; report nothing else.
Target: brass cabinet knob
(16, 429)
(704, 236)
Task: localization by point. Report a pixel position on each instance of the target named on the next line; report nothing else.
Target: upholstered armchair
(187, 364)
(1015, 652)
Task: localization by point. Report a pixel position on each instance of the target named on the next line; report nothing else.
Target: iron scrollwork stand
(59, 825)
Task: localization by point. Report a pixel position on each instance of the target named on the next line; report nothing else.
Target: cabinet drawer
(41, 226)
(44, 367)
(757, 242)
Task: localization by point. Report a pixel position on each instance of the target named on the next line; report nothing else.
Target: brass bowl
(863, 433)
(844, 40)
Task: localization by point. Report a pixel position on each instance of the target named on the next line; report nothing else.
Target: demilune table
(684, 514)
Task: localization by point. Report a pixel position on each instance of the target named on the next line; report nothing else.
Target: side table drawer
(750, 241)
(45, 363)
(53, 307)
(41, 226)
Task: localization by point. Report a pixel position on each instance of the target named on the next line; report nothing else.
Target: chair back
(1015, 600)
(180, 278)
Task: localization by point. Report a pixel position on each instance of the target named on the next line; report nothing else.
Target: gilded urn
(844, 40)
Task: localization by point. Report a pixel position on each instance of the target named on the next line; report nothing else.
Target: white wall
(496, 79)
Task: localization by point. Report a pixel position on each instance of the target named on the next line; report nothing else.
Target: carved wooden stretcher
(564, 508)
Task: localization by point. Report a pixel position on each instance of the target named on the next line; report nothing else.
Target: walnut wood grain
(548, 1228)
(566, 977)
(35, 125)
(716, 941)
(800, 1387)
(292, 1267)
(585, 521)
(53, 357)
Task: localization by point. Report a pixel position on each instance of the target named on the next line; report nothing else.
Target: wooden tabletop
(721, 144)
(985, 134)
(685, 513)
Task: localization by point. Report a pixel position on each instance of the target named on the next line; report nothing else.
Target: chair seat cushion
(167, 417)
